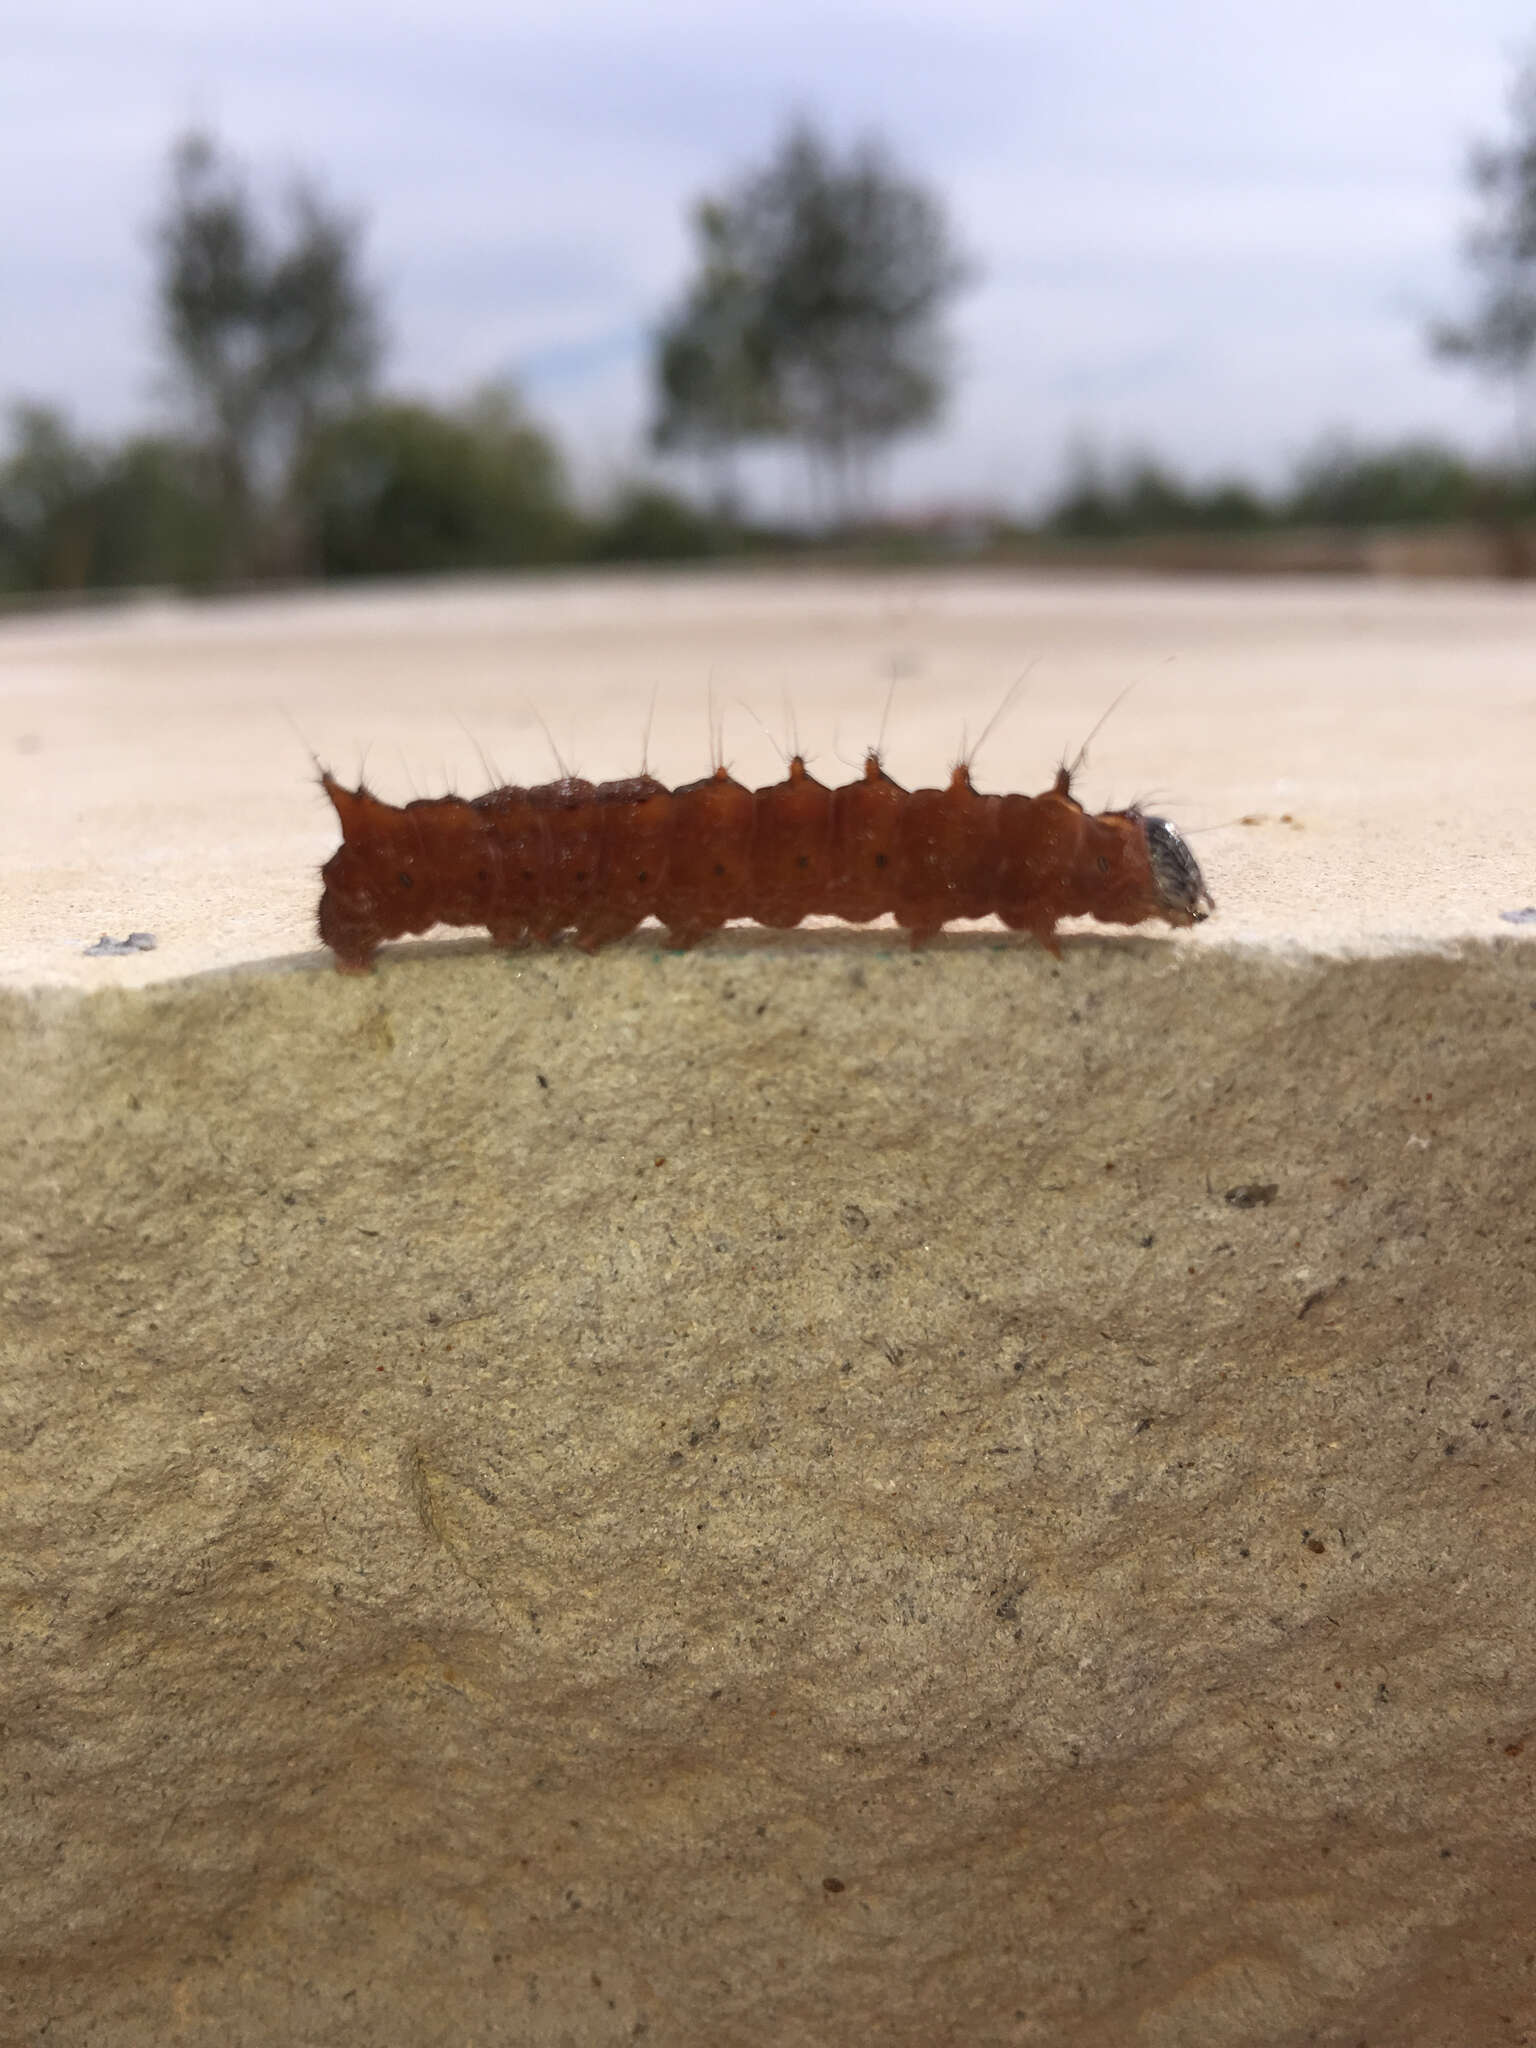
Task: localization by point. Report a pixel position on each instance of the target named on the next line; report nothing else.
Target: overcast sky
(1210, 228)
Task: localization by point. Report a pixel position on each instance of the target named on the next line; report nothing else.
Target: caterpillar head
(1182, 895)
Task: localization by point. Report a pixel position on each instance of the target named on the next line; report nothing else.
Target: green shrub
(78, 516)
(401, 488)
(1417, 483)
(648, 524)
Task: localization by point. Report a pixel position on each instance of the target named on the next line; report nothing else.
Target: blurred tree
(1499, 336)
(269, 337)
(1417, 483)
(75, 516)
(402, 488)
(647, 524)
(155, 522)
(714, 383)
(1142, 495)
(48, 479)
(815, 315)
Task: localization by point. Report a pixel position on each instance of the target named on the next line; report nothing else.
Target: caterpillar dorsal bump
(597, 859)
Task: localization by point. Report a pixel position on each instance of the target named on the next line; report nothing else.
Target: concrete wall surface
(796, 1492)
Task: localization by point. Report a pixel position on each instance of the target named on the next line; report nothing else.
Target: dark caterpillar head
(1182, 894)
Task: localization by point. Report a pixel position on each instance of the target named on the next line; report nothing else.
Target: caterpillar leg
(352, 943)
(603, 932)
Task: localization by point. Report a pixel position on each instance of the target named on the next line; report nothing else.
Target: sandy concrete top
(1353, 760)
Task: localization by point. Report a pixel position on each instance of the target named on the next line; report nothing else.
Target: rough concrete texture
(791, 1494)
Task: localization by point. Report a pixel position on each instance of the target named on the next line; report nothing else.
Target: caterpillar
(597, 860)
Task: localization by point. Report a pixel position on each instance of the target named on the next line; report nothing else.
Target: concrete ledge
(1353, 761)
(795, 1493)
(792, 1493)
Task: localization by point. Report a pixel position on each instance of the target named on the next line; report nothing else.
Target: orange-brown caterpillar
(596, 860)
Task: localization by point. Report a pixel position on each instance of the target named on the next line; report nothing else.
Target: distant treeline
(813, 321)
(395, 487)
(1414, 483)
(398, 487)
